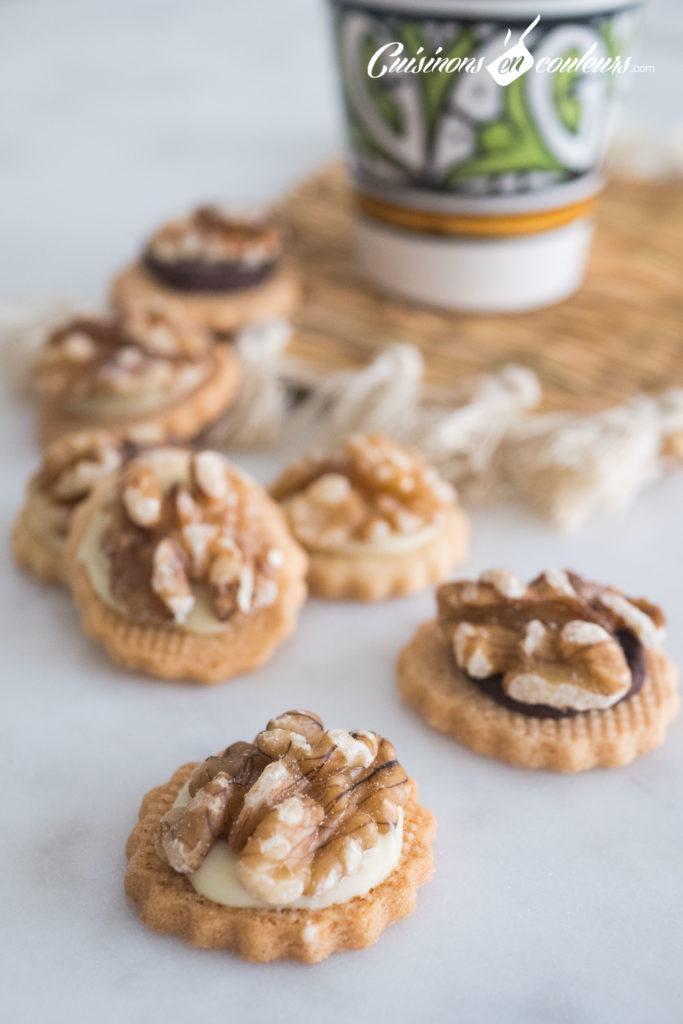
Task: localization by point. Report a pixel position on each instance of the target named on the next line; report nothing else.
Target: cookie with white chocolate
(304, 842)
(218, 268)
(71, 468)
(561, 673)
(375, 518)
(184, 568)
(141, 368)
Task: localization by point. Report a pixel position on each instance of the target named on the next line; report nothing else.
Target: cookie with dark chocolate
(560, 674)
(222, 271)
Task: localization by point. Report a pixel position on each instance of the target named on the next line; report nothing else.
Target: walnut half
(371, 490)
(123, 355)
(555, 642)
(185, 524)
(300, 807)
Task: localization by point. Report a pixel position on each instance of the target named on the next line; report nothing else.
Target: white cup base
(475, 275)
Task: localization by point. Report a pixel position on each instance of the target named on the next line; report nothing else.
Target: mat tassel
(567, 467)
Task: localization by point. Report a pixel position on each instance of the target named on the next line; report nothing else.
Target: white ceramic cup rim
(507, 9)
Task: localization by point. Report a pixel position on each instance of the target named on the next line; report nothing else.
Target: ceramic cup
(476, 176)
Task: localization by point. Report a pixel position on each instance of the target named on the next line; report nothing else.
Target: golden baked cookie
(183, 567)
(220, 271)
(295, 846)
(376, 520)
(143, 368)
(72, 466)
(561, 674)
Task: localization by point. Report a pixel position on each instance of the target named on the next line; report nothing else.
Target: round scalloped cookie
(431, 683)
(168, 902)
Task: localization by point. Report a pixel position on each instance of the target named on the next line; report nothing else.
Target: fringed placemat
(570, 410)
(621, 334)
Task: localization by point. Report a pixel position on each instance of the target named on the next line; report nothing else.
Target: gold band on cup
(459, 224)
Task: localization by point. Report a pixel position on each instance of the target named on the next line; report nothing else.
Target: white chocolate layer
(395, 544)
(113, 407)
(217, 878)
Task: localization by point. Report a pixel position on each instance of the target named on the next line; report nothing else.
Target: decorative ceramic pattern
(463, 135)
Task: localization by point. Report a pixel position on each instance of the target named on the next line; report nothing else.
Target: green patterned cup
(477, 131)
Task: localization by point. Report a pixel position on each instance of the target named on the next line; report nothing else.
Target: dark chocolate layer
(193, 275)
(634, 653)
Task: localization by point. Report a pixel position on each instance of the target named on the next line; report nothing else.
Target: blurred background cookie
(71, 467)
(376, 519)
(220, 270)
(142, 367)
(183, 567)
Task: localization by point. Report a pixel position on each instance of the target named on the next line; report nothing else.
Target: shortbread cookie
(219, 270)
(71, 467)
(561, 674)
(295, 846)
(376, 519)
(143, 368)
(184, 568)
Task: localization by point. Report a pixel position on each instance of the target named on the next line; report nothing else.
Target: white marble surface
(555, 899)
